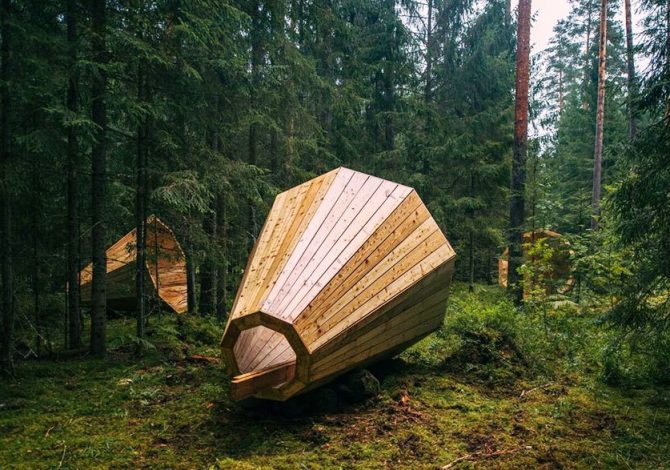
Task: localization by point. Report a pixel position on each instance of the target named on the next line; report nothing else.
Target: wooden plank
(435, 281)
(260, 253)
(316, 191)
(335, 202)
(391, 201)
(385, 199)
(385, 266)
(277, 340)
(270, 258)
(331, 240)
(248, 350)
(246, 385)
(421, 312)
(342, 177)
(382, 343)
(395, 288)
(398, 226)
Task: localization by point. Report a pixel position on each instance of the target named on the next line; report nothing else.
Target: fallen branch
(197, 358)
(526, 392)
(62, 457)
(485, 455)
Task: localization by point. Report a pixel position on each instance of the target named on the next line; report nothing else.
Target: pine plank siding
(348, 268)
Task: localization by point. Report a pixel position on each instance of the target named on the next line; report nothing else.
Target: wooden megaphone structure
(348, 269)
(165, 270)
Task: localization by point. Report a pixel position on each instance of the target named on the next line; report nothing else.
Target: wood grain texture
(348, 268)
(165, 268)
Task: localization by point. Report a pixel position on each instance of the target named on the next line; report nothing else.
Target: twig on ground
(62, 457)
(485, 455)
(526, 392)
(48, 431)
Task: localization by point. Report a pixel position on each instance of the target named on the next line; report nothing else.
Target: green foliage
(162, 411)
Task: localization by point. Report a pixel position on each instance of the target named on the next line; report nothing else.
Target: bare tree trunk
(208, 272)
(560, 92)
(429, 53)
(98, 183)
(222, 242)
(630, 59)
(35, 235)
(7, 277)
(520, 149)
(141, 212)
(471, 236)
(589, 6)
(73, 253)
(600, 113)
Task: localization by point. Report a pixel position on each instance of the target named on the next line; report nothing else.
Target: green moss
(456, 393)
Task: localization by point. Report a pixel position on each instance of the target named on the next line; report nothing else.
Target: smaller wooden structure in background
(560, 258)
(348, 269)
(165, 269)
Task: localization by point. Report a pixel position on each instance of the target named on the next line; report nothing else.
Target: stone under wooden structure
(165, 270)
(348, 269)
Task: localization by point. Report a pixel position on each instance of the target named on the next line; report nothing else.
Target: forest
(199, 113)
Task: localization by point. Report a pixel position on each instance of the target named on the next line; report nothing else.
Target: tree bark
(585, 103)
(208, 273)
(73, 254)
(7, 277)
(630, 60)
(98, 182)
(222, 276)
(429, 54)
(600, 113)
(141, 212)
(520, 149)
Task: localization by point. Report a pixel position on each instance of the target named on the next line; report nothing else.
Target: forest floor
(494, 388)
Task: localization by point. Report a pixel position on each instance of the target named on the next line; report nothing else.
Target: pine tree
(99, 181)
(7, 276)
(73, 237)
(520, 147)
(600, 116)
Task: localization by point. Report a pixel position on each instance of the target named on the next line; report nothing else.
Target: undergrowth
(496, 386)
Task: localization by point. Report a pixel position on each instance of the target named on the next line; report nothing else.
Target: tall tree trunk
(190, 275)
(508, 12)
(389, 99)
(600, 113)
(222, 242)
(35, 235)
(7, 277)
(73, 254)
(208, 272)
(630, 59)
(429, 53)
(560, 92)
(471, 236)
(256, 58)
(587, 64)
(98, 183)
(520, 149)
(141, 212)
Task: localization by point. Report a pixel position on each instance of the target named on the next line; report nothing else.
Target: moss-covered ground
(494, 388)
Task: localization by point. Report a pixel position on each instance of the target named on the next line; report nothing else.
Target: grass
(455, 398)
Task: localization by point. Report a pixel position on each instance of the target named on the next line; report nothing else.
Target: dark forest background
(201, 111)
